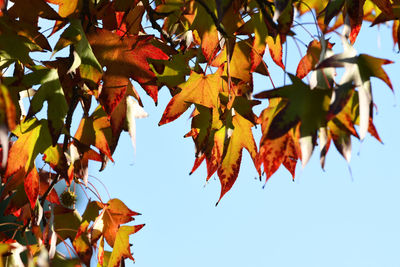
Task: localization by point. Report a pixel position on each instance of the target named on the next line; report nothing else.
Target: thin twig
(155, 25)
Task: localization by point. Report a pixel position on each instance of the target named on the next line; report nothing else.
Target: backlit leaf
(198, 89)
(33, 138)
(50, 91)
(242, 137)
(121, 249)
(124, 58)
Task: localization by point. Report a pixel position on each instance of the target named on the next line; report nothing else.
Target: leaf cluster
(206, 53)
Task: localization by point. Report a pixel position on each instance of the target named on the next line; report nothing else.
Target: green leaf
(50, 91)
(305, 105)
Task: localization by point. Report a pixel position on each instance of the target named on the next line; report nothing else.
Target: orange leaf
(124, 58)
(310, 60)
(275, 49)
(201, 22)
(199, 89)
(31, 185)
(95, 130)
(242, 137)
(115, 214)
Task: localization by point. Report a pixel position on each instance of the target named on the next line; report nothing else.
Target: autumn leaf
(31, 185)
(124, 58)
(30, 11)
(304, 105)
(360, 69)
(55, 157)
(133, 111)
(67, 7)
(198, 89)
(240, 65)
(33, 138)
(202, 24)
(66, 222)
(355, 11)
(7, 109)
(45, 178)
(121, 249)
(332, 9)
(310, 60)
(95, 130)
(81, 243)
(241, 137)
(115, 213)
(14, 47)
(274, 152)
(90, 68)
(175, 69)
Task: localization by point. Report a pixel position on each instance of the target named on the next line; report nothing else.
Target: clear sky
(321, 219)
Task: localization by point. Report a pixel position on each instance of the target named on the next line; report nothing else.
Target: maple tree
(206, 53)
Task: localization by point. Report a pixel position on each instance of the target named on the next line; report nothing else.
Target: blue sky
(321, 219)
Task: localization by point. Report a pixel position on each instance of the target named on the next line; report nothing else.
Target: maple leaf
(31, 185)
(123, 118)
(50, 91)
(240, 65)
(133, 111)
(79, 156)
(175, 69)
(33, 138)
(114, 214)
(89, 67)
(241, 137)
(121, 249)
(274, 152)
(95, 130)
(55, 157)
(67, 7)
(28, 30)
(30, 11)
(355, 11)
(310, 60)
(198, 89)
(14, 47)
(203, 26)
(7, 109)
(66, 222)
(283, 14)
(332, 9)
(360, 69)
(305, 105)
(124, 58)
(82, 245)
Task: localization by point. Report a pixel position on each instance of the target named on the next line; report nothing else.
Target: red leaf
(124, 58)
(45, 179)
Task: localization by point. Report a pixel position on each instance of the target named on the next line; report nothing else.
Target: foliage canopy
(206, 53)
